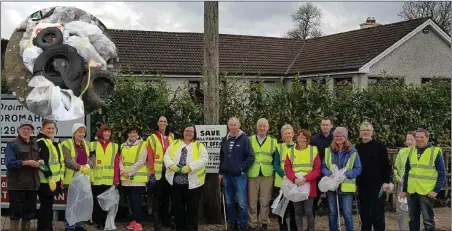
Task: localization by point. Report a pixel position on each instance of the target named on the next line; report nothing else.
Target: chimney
(370, 22)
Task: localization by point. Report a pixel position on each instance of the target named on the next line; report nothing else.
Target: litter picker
(338, 210)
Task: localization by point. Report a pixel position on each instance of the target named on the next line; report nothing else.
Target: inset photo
(60, 63)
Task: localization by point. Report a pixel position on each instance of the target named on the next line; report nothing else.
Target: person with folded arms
(186, 161)
(77, 158)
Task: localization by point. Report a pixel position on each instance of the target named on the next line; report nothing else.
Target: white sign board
(210, 136)
(13, 112)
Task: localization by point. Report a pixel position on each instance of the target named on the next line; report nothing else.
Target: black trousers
(186, 204)
(99, 215)
(161, 201)
(372, 210)
(45, 214)
(290, 213)
(22, 204)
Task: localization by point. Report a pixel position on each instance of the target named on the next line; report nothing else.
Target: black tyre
(48, 37)
(102, 84)
(74, 67)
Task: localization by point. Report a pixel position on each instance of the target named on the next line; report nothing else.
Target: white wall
(423, 55)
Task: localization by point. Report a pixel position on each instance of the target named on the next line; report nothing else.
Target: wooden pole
(211, 192)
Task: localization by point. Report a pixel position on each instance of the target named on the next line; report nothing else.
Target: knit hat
(77, 126)
(341, 131)
(100, 131)
(26, 123)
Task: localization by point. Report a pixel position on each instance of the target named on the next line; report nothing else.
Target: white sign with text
(210, 136)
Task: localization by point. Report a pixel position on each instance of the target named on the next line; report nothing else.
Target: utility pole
(211, 192)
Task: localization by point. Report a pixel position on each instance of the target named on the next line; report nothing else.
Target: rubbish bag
(294, 192)
(30, 55)
(52, 102)
(26, 37)
(87, 51)
(281, 207)
(278, 198)
(38, 100)
(109, 201)
(332, 183)
(79, 205)
(63, 14)
(103, 45)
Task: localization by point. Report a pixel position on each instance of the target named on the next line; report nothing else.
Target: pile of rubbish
(72, 61)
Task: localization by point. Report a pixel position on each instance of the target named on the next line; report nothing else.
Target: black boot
(264, 227)
(244, 228)
(232, 227)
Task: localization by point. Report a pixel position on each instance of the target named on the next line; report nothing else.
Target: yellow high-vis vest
(56, 162)
(69, 143)
(154, 141)
(348, 185)
(303, 160)
(196, 154)
(130, 155)
(283, 152)
(263, 157)
(422, 176)
(104, 171)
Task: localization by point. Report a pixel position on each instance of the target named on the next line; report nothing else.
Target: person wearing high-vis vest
(77, 158)
(51, 175)
(343, 155)
(103, 174)
(186, 161)
(287, 134)
(158, 187)
(304, 159)
(260, 175)
(375, 177)
(399, 172)
(425, 175)
(134, 174)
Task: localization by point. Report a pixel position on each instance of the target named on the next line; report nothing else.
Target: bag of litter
(63, 14)
(87, 51)
(65, 105)
(109, 201)
(294, 192)
(38, 100)
(79, 205)
(41, 26)
(103, 45)
(332, 183)
(30, 55)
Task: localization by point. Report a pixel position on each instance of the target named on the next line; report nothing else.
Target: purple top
(80, 154)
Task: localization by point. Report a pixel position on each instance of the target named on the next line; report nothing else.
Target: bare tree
(440, 12)
(307, 22)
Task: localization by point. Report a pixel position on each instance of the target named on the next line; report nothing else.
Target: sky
(242, 18)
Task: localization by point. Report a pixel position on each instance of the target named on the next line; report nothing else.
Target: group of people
(168, 169)
(173, 173)
(251, 166)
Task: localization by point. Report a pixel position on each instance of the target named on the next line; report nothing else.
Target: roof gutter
(325, 74)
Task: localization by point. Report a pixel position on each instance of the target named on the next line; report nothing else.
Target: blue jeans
(345, 204)
(418, 204)
(236, 186)
(77, 225)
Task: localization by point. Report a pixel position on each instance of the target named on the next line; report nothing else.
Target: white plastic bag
(276, 201)
(109, 201)
(294, 192)
(52, 102)
(38, 100)
(30, 55)
(87, 51)
(332, 182)
(103, 45)
(79, 205)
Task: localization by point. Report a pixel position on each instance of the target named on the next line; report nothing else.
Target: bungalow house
(414, 50)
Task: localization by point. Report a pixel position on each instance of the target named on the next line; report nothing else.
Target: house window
(377, 80)
(342, 81)
(341, 85)
(426, 80)
(196, 92)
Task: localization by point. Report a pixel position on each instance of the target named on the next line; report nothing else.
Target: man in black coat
(376, 171)
(321, 141)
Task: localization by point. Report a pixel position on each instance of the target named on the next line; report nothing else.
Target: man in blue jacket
(236, 156)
